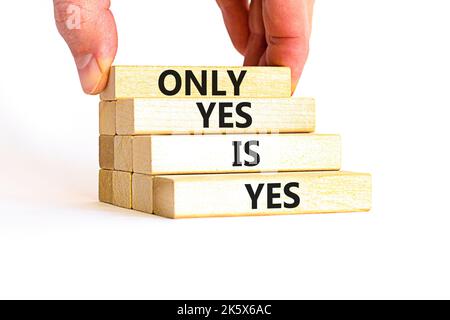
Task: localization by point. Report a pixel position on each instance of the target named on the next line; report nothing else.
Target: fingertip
(294, 85)
(93, 73)
(241, 47)
(295, 77)
(297, 71)
(90, 32)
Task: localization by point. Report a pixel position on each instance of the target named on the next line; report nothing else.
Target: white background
(380, 72)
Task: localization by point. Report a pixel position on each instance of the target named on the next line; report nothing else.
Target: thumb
(90, 31)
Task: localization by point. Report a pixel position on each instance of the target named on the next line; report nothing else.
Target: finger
(257, 39)
(235, 15)
(262, 61)
(90, 31)
(288, 29)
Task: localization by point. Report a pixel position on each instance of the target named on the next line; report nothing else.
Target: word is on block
(192, 196)
(192, 116)
(234, 153)
(157, 82)
(115, 188)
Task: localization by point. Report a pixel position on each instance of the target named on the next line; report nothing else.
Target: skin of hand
(266, 32)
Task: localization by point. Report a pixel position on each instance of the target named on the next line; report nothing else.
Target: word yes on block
(273, 194)
(221, 115)
(267, 194)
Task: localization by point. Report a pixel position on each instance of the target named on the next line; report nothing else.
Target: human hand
(89, 29)
(268, 32)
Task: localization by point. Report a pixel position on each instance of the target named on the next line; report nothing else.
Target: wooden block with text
(158, 82)
(206, 116)
(193, 196)
(115, 188)
(178, 154)
(187, 142)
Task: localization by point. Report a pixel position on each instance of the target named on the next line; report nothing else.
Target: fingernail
(93, 80)
(294, 86)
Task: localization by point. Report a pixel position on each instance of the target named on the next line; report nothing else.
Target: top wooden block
(158, 82)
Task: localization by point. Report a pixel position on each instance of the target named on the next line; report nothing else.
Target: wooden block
(105, 186)
(235, 153)
(158, 82)
(106, 152)
(123, 150)
(195, 116)
(107, 116)
(190, 196)
(115, 188)
(142, 193)
(115, 153)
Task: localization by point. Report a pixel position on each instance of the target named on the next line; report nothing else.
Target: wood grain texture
(115, 153)
(183, 116)
(123, 150)
(216, 154)
(142, 193)
(107, 118)
(115, 188)
(105, 186)
(106, 152)
(193, 196)
(142, 82)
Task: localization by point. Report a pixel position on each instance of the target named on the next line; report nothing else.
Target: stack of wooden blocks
(183, 142)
